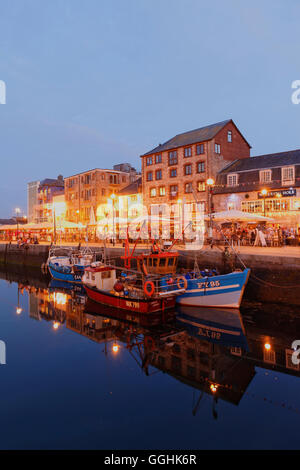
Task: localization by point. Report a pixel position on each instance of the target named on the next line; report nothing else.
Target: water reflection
(213, 351)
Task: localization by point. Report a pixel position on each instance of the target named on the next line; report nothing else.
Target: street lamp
(264, 192)
(210, 183)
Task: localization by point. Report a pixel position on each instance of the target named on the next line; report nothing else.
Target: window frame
(231, 175)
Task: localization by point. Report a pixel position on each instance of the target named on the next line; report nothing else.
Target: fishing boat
(204, 288)
(225, 290)
(130, 290)
(68, 265)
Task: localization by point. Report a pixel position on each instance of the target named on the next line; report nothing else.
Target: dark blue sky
(94, 83)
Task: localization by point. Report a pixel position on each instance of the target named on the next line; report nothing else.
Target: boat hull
(65, 277)
(224, 291)
(132, 305)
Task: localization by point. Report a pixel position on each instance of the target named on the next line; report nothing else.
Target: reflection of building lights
(60, 298)
(18, 310)
(267, 346)
(214, 388)
(56, 325)
(115, 348)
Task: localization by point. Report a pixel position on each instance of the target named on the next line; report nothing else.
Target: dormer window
(288, 175)
(265, 176)
(232, 179)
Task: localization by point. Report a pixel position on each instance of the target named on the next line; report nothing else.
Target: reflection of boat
(69, 266)
(157, 318)
(216, 325)
(224, 290)
(66, 286)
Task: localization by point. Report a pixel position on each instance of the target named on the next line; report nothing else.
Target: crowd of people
(259, 235)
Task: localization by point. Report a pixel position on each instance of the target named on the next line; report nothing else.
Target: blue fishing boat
(225, 290)
(69, 267)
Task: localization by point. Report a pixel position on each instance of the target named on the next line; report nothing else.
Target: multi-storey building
(87, 193)
(179, 168)
(47, 189)
(266, 185)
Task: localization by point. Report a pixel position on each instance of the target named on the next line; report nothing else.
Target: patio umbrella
(240, 216)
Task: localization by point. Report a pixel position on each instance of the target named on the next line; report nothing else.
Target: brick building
(240, 186)
(90, 191)
(179, 168)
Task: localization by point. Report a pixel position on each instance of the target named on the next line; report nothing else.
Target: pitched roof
(132, 188)
(191, 137)
(259, 162)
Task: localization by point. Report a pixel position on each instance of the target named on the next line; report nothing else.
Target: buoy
(147, 291)
(182, 279)
(119, 287)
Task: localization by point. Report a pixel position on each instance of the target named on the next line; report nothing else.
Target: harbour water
(79, 376)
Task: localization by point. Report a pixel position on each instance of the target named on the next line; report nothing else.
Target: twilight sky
(97, 82)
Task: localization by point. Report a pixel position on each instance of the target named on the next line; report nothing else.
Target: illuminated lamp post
(264, 192)
(210, 183)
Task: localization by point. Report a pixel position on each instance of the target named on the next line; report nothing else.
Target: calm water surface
(79, 376)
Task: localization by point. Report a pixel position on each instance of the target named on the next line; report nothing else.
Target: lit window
(162, 191)
(288, 175)
(174, 190)
(232, 180)
(152, 192)
(265, 176)
(201, 186)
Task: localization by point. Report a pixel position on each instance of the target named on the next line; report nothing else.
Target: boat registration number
(208, 284)
(132, 304)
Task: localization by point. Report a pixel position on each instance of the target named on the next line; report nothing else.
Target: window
(152, 192)
(149, 161)
(188, 169)
(149, 176)
(288, 175)
(232, 180)
(265, 176)
(200, 167)
(173, 158)
(229, 136)
(188, 187)
(199, 149)
(173, 190)
(158, 174)
(217, 148)
(162, 191)
(158, 158)
(173, 173)
(188, 152)
(201, 186)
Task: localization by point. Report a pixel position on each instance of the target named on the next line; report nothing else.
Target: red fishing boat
(130, 290)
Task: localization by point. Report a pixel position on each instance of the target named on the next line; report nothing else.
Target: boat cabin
(158, 263)
(101, 277)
